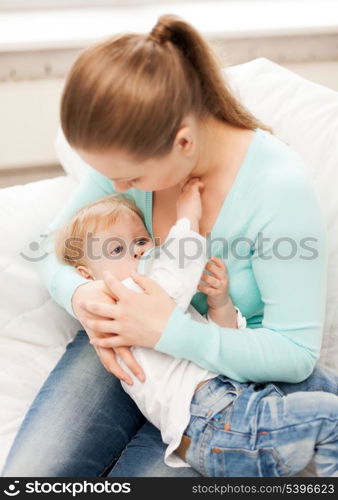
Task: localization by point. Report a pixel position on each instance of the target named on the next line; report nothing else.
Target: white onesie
(164, 398)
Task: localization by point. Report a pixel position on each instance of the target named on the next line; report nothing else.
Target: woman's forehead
(117, 165)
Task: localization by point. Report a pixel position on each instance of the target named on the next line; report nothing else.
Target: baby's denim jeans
(261, 430)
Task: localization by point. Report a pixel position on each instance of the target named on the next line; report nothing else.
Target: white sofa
(34, 330)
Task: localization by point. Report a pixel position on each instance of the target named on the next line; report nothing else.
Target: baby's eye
(142, 242)
(117, 250)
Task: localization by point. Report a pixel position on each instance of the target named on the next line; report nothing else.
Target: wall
(29, 108)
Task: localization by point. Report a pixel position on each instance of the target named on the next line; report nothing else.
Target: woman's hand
(97, 290)
(107, 357)
(135, 319)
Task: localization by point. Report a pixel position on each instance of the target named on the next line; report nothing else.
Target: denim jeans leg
(147, 442)
(262, 433)
(79, 422)
(300, 426)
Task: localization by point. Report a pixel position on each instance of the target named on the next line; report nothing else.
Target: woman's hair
(131, 92)
(71, 238)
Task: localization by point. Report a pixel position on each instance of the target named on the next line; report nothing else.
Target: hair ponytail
(131, 92)
(217, 96)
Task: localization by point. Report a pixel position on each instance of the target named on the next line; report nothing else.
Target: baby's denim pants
(262, 430)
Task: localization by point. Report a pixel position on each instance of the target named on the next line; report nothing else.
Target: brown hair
(71, 238)
(132, 91)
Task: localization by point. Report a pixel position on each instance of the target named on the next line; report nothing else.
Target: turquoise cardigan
(278, 283)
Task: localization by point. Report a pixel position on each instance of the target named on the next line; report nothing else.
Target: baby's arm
(225, 318)
(221, 309)
(215, 284)
(188, 204)
(177, 265)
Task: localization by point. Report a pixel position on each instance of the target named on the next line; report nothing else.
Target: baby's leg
(299, 426)
(263, 433)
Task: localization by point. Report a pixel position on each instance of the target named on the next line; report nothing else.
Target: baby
(110, 234)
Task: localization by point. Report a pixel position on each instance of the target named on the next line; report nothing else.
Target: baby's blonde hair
(70, 238)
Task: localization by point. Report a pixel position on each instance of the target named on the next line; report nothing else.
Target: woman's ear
(86, 273)
(185, 141)
(185, 137)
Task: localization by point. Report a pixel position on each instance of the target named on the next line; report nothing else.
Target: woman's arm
(62, 280)
(287, 344)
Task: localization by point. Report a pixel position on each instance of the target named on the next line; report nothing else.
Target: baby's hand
(189, 204)
(217, 283)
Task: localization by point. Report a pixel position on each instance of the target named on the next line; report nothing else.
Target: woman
(148, 112)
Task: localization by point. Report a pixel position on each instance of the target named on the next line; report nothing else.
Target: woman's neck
(221, 149)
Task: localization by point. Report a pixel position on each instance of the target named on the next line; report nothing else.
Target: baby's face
(117, 249)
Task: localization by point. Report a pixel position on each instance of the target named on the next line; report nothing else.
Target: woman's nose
(121, 186)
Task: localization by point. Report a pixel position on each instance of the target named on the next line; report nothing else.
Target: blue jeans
(82, 423)
(264, 430)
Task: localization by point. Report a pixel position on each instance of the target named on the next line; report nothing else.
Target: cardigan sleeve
(61, 279)
(286, 346)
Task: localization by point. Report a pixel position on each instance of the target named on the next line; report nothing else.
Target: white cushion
(72, 163)
(35, 330)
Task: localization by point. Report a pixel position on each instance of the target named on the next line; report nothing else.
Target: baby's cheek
(97, 270)
(99, 265)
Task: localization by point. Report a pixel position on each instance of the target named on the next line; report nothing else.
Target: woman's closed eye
(134, 181)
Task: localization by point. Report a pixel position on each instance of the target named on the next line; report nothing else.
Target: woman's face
(150, 175)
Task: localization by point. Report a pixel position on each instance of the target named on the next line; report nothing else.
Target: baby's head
(107, 234)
